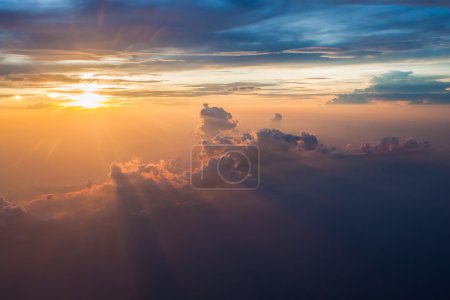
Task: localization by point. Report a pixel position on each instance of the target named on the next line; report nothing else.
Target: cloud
(278, 141)
(399, 86)
(222, 32)
(10, 210)
(228, 53)
(93, 199)
(134, 182)
(314, 50)
(214, 120)
(394, 145)
(224, 89)
(145, 233)
(137, 188)
(276, 120)
(324, 52)
(169, 180)
(237, 159)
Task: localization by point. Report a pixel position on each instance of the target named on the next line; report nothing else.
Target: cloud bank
(395, 145)
(10, 210)
(399, 86)
(309, 231)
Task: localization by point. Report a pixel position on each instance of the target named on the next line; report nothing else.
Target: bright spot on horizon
(87, 100)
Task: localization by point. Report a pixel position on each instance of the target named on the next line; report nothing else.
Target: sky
(224, 149)
(131, 51)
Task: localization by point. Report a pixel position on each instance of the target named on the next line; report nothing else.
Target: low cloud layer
(399, 86)
(319, 211)
(276, 150)
(389, 145)
(10, 210)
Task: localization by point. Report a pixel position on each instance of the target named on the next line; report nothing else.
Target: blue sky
(337, 110)
(53, 36)
(379, 30)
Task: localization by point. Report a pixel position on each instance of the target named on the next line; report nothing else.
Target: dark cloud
(214, 120)
(225, 89)
(223, 160)
(394, 145)
(276, 120)
(314, 50)
(10, 210)
(330, 224)
(170, 24)
(41, 78)
(399, 86)
(203, 33)
(271, 140)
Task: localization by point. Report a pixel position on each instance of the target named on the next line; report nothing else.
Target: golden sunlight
(87, 100)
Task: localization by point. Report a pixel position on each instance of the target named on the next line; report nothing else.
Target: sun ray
(87, 96)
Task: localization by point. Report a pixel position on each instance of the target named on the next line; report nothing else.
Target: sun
(87, 98)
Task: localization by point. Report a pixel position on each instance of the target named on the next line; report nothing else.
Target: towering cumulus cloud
(215, 120)
(399, 86)
(309, 231)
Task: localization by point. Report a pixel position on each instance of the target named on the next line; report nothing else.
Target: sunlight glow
(87, 100)
(87, 96)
